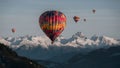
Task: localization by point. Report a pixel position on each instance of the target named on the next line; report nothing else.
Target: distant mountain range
(63, 50)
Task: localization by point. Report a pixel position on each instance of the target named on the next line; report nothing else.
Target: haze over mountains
(63, 50)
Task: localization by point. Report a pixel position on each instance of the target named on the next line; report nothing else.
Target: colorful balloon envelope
(93, 10)
(84, 20)
(52, 23)
(13, 30)
(76, 18)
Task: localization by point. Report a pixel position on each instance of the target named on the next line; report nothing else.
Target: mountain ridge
(40, 47)
(10, 59)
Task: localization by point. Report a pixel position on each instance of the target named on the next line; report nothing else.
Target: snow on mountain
(40, 47)
(2, 40)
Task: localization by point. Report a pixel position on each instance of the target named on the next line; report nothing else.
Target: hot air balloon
(93, 10)
(13, 30)
(84, 20)
(52, 23)
(76, 18)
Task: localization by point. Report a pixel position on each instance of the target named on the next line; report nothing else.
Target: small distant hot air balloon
(94, 11)
(13, 30)
(52, 23)
(76, 18)
(84, 20)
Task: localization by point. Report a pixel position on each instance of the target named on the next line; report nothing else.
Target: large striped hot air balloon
(52, 23)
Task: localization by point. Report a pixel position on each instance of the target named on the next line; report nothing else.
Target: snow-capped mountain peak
(108, 41)
(94, 37)
(41, 48)
(77, 39)
(78, 35)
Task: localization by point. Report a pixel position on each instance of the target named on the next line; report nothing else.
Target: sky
(23, 15)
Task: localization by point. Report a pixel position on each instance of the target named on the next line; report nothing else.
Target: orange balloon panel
(52, 23)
